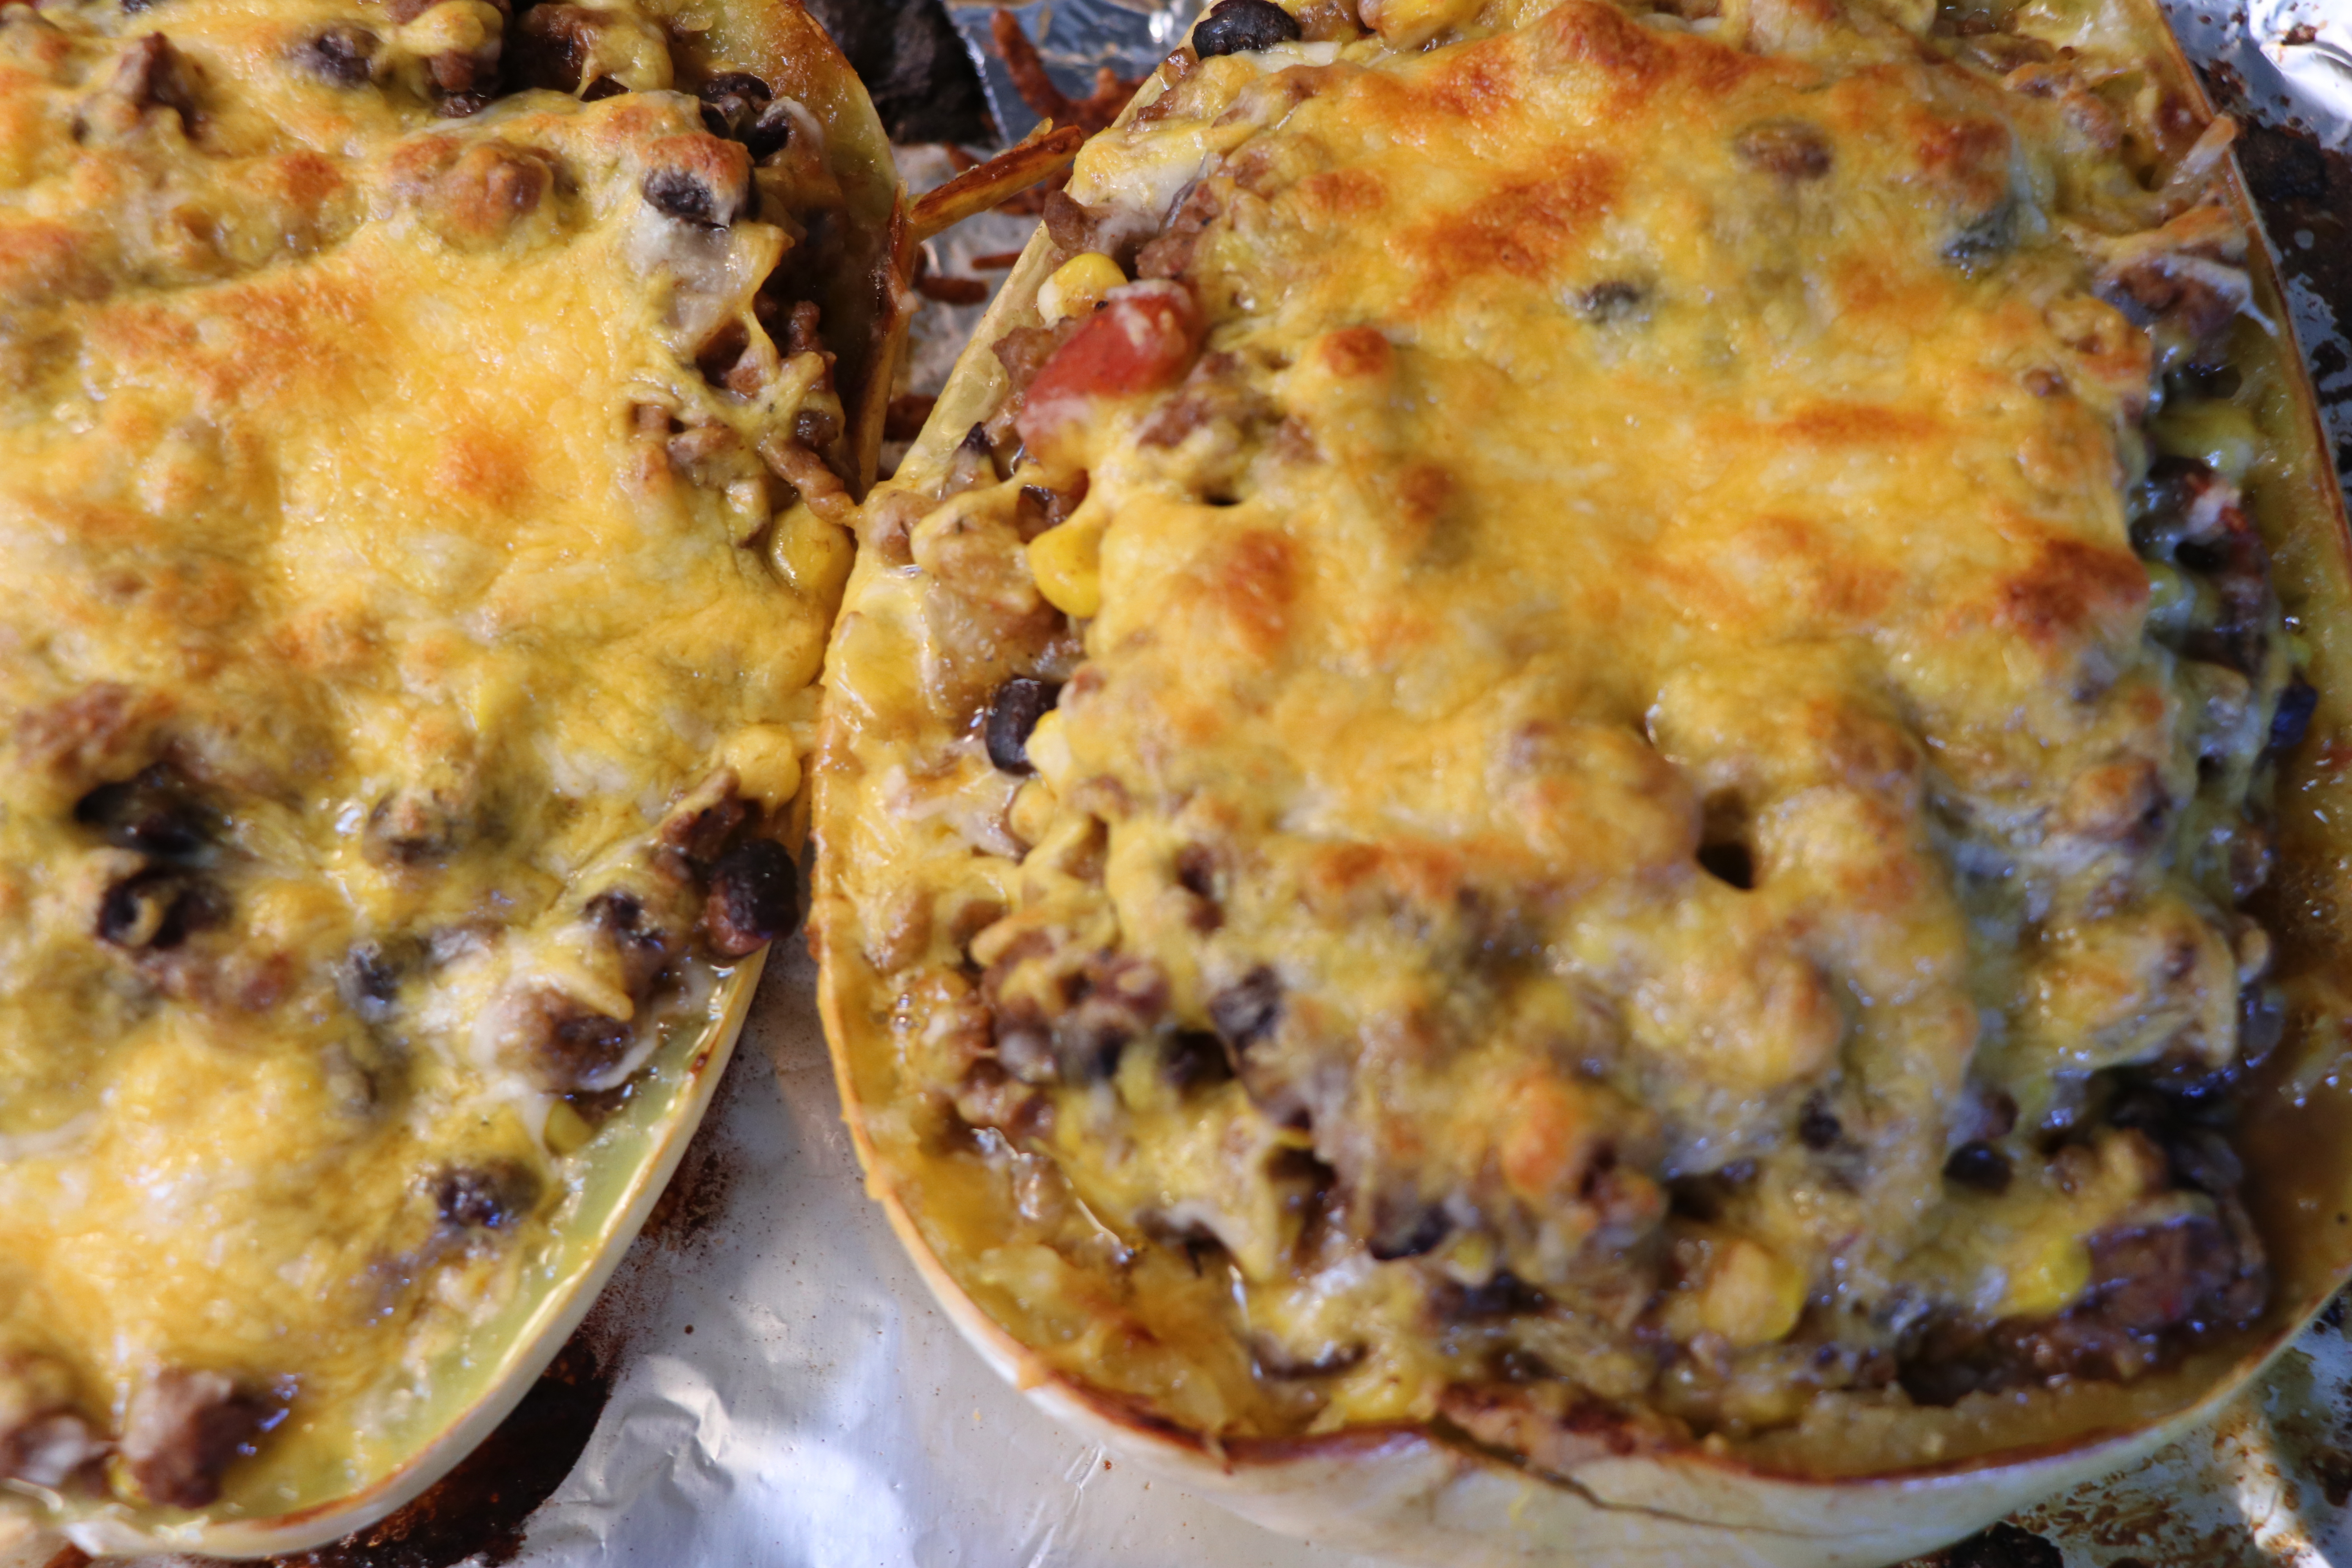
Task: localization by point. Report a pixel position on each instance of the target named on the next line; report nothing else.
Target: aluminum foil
(775, 1385)
(1075, 38)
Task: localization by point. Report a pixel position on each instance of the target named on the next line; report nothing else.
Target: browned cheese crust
(1579, 746)
(424, 462)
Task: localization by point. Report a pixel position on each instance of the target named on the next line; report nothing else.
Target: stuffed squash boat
(1583, 796)
(427, 432)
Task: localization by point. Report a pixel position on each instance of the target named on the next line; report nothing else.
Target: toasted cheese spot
(1600, 43)
(484, 466)
(1356, 352)
(1254, 581)
(2073, 590)
(1525, 229)
(43, 262)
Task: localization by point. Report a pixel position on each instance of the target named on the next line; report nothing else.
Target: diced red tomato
(1143, 338)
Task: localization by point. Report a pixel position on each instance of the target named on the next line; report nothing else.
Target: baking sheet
(766, 1380)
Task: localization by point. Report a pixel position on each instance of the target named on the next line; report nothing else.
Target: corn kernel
(1078, 286)
(1750, 1296)
(1049, 754)
(766, 761)
(567, 1131)
(813, 556)
(2222, 434)
(453, 27)
(2049, 1272)
(1031, 814)
(1066, 561)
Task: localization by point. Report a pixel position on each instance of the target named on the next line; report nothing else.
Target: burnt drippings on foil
(476, 1514)
(2004, 1545)
(2332, 1314)
(2304, 190)
(2332, 1469)
(683, 1216)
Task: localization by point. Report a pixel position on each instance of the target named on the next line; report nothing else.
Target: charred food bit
(1243, 26)
(1789, 149)
(343, 55)
(754, 897)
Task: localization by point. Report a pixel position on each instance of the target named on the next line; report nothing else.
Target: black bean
(723, 117)
(1789, 149)
(1615, 301)
(754, 897)
(1190, 1060)
(183, 1430)
(1124, 1000)
(734, 84)
(414, 827)
(733, 101)
(1732, 864)
(1247, 1010)
(1403, 1229)
(616, 910)
(460, 105)
(1241, 26)
(576, 1045)
(681, 196)
(1503, 1296)
(2292, 716)
(156, 909)
(769, 131)
(342, 54)
(1817, 1128)
(603, 88)
(1980, 1166)
(1274, 1361)
(485, 1197)
(2202, 1159)
(1983, 237)
(1013, 714)
(151, 74)
(1196, 870)
(644, 948)
(151, 812)
(372, 972)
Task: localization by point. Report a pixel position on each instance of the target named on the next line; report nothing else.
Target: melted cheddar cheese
(1653, 729)
(418, 530)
